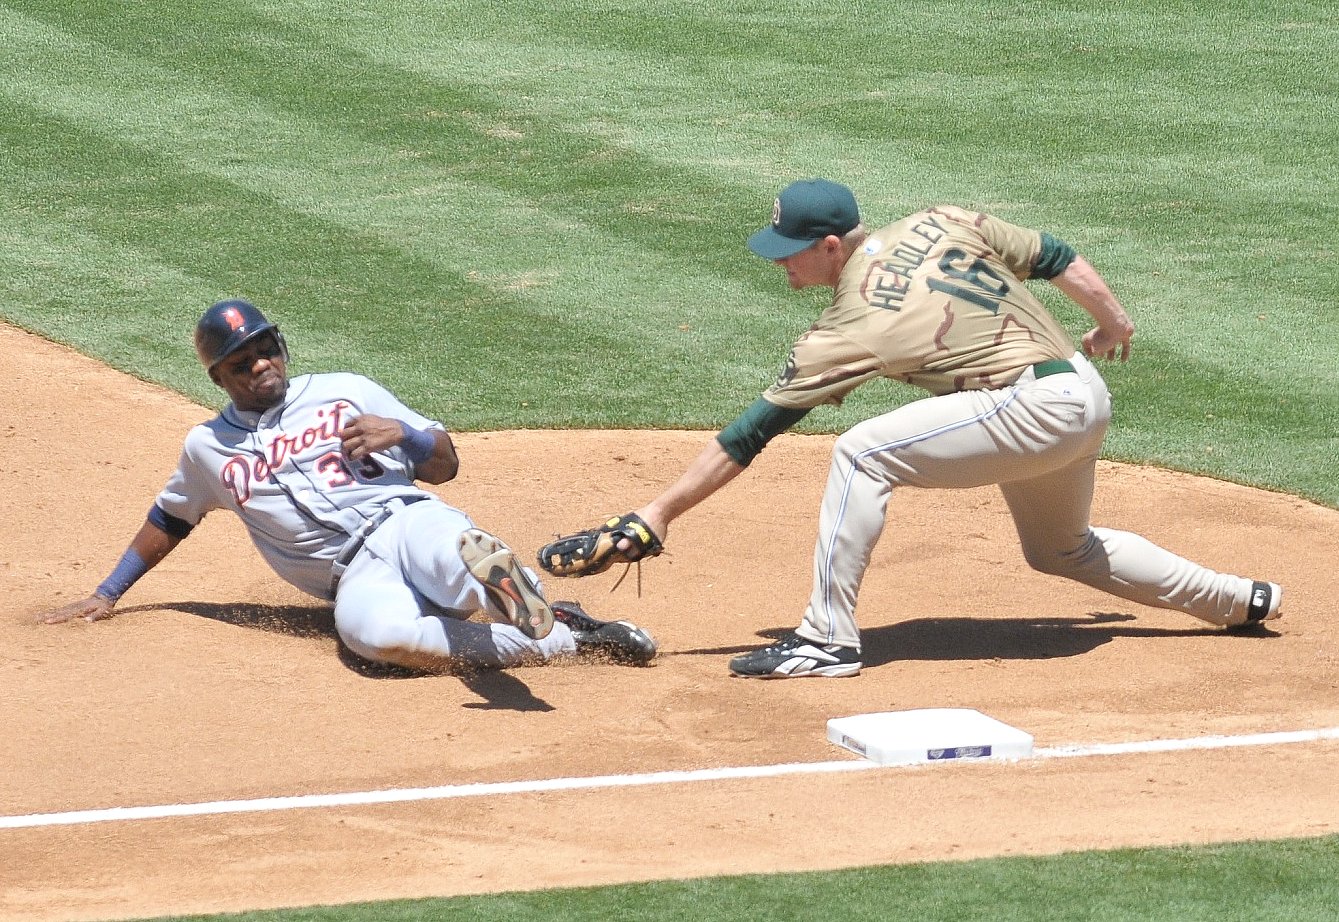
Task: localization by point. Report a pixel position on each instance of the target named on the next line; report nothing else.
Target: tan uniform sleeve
(1017, 247)
(822, 368)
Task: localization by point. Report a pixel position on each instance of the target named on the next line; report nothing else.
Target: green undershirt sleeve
(754, 428)
(1054, 258)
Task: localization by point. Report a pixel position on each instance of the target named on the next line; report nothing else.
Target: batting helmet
(229, 325)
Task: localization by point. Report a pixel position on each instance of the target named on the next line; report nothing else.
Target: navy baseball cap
(805, 212)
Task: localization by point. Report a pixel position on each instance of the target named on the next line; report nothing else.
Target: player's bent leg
(502, 645)
(440, 642)
(1131, 567)
(385, 621)
(1051, 515)
(460, 568)
(850, 521)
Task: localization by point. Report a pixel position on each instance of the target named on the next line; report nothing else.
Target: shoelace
(618, 582)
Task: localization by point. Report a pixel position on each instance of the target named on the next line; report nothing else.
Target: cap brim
(768, 244)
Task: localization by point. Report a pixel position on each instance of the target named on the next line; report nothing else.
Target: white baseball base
(929, 735)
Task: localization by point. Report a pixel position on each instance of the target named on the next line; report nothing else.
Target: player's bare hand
(1110, 344)
(93, 608)
(367, 434)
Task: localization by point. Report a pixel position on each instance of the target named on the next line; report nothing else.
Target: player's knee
(381, 642)
(849, 445)
(850, 454)
(1058, 560)
(1044, 560)
(863, 451)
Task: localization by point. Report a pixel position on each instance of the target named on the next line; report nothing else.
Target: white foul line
(494, 789)
(1198, 742)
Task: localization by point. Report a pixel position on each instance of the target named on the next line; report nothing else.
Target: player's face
(813, 265)
(255, 376)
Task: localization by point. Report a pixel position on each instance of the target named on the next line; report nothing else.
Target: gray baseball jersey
(406, 594)
(284, 475)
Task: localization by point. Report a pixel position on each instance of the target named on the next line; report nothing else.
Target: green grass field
(532, 215)
(1278, 882)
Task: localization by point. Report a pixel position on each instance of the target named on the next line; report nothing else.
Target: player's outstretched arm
(637, 535)
(150, 545)
(712, 469)
(1081, 283)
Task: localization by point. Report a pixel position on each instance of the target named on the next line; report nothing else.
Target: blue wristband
(418, 444)
(129, 569)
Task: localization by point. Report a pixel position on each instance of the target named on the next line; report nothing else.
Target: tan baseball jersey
(936, 300)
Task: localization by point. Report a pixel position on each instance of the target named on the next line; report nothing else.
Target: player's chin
(270, 391)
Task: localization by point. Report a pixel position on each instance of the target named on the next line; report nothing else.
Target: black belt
(359, 538)
(1052, 367)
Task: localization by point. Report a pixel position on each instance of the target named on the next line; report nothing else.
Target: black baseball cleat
(794, 657)
(615, 641)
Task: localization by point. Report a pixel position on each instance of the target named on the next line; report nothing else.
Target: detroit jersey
(283, 473)
(935, 300)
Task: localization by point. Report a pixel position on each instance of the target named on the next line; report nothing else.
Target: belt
(359, 538)
(1052, 367)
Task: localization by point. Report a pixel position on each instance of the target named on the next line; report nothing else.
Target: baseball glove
(595, 550)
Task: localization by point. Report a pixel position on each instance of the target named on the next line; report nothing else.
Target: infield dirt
(218, 682)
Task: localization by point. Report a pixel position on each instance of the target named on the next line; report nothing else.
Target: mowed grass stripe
(241, 241)
(387, 38)
(389, 127)
(162, 116)
(1168, 131)
(118, 296)
(1146, 123)
(290, 156)
(517, 158)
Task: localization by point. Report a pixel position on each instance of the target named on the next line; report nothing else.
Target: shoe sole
(493, 564)
(835, 671)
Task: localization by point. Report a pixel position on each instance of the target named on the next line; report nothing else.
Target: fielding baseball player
(321, 469)
(936, 300)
